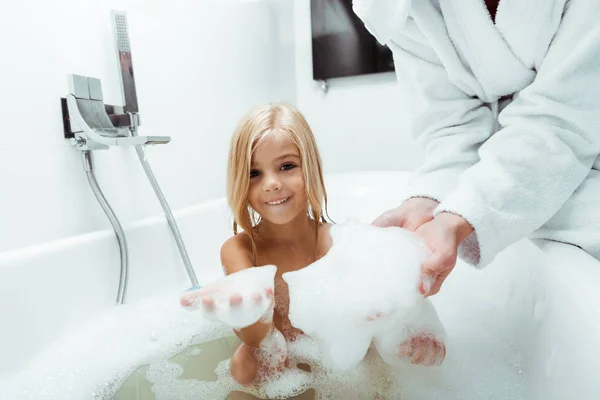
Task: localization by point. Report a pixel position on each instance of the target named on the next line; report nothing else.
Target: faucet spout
(91, 124)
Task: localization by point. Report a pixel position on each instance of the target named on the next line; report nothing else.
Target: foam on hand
(247, 284)
(365, 289)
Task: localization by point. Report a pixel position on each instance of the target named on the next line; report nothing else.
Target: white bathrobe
(508, 113)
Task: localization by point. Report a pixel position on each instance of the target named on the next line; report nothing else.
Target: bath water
(153, 349)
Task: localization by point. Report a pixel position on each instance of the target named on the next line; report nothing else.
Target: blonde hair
(254, 127)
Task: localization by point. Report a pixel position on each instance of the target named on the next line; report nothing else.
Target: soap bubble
(364, 289)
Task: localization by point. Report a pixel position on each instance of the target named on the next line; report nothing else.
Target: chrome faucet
(90, 124)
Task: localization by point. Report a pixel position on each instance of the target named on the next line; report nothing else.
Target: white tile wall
(199, 66)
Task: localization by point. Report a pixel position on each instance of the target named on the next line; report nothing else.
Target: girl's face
(277, 190)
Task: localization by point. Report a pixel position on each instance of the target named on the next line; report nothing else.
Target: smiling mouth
(277, 202)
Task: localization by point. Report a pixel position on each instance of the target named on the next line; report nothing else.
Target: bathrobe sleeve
(549, 140)
(449, 122)
(448, 118)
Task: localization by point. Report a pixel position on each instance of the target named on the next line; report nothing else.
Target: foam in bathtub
(245, 285)
(364, 290)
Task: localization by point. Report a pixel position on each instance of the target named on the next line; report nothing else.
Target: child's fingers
(193, 294)
(420, 351)
(235, 299)
(428, 353)
(191, 300)
(440, 352)
(423, 349)
(434, 351)
(374, 316)
(407, 348)
(256, 297)
(188, 299)
(208, 302)
(431, 352)
(196, 295)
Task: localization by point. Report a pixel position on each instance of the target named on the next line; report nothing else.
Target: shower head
(121, 34)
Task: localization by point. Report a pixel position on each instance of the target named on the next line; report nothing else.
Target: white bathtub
(543, 295)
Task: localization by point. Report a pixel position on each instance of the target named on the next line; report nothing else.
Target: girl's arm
(236, 255)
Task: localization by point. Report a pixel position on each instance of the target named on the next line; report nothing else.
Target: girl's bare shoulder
(236, 253)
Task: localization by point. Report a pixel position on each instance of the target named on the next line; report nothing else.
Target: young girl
(276, 191)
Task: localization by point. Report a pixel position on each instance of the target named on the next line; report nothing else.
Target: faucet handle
(92, 126)
(84, 87)
(78, 86)
(95, 88)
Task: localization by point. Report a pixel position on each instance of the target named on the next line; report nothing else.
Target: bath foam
(478, 367)
(94, 358)
(244, 283)
(367, 381)
(480, 315)
(365, 289)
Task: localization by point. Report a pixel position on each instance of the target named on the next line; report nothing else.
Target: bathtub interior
(523, 326)
(51, 288)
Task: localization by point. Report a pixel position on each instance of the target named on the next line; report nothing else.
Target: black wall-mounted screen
(341, 45)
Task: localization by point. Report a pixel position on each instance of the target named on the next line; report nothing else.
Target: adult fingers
(435, 270)
(387, 219)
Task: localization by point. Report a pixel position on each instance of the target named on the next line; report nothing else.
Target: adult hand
(442, 236)
(409, 215)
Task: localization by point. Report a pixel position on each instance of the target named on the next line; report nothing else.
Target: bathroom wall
(199, 65)
(361, 122)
